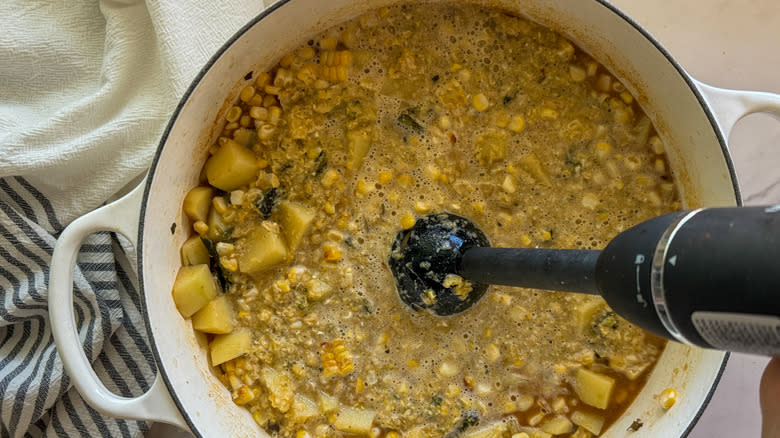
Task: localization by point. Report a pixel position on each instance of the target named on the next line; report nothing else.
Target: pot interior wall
(695, 155)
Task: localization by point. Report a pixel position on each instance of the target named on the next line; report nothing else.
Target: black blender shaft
(552, 269)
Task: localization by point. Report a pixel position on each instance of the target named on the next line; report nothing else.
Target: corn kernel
(283, 78)
(329, 208)
(407, 221)
(272, 89)
(258, 113)
(359, 385)
(282, 285)
(549, 113)
(302, 434)
(331, 252)
(509, 185)
(233, 114)
(307, 74)
(590, 201)
(274, 115)
(591, 68)
(448, 369)
(493, 353)
(257, 100)
(262, 80)
(656, 145)
(501, 119)
(422, 207)
(265, 131)
(305, 53)
(480, 102)
(577, 73)
(220, 204)
(546, 235)
(660, 165)
(245, 121)
(603, 149)
(247, 93)
(336, 359)
(385, 177)
(286, 60)
(330, 178)
(269, 101)
(362, 188)
(517, 124)
(432, 172)
(200, 227)
(536, 419)
(627, 97)
(604, 83)
(328, 43)
(405, 180)
(229, 264)
(243, 395)
(668, 398)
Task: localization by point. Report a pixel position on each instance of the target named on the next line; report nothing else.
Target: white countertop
(727, 43)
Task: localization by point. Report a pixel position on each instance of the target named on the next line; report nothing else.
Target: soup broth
(402, 112)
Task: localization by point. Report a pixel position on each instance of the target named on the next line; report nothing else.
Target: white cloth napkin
(86, 88)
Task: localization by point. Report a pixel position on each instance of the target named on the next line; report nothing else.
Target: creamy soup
(349, 139)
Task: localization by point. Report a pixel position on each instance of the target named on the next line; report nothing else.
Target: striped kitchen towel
(86, 88)
(37, 397)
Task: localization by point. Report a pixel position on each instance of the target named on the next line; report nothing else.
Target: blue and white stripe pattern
(37, 398)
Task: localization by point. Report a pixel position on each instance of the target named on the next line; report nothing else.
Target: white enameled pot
(694, 120)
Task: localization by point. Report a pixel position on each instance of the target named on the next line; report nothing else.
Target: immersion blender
(708, 277)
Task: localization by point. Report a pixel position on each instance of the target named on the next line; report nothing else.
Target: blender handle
(119, 216)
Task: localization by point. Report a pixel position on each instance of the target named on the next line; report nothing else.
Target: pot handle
(729, 106)
(119, 216)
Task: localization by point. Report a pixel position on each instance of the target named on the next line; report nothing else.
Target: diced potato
(358, 144)
(588, 310)
(197, 203)
(261, 251)
(490, 147)
(215, 317)
(226, 347)
(497, 430)
(194, 252)
(354, 420)
(531, 164)
(231, 167)
(280, 388)
(303, 408)
(193, 288)
(593, 388)
(295, 220)
(219, 230)
(557, 425)
(327, 403)
(592, 422)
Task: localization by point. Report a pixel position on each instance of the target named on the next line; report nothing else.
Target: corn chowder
(399, 113)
